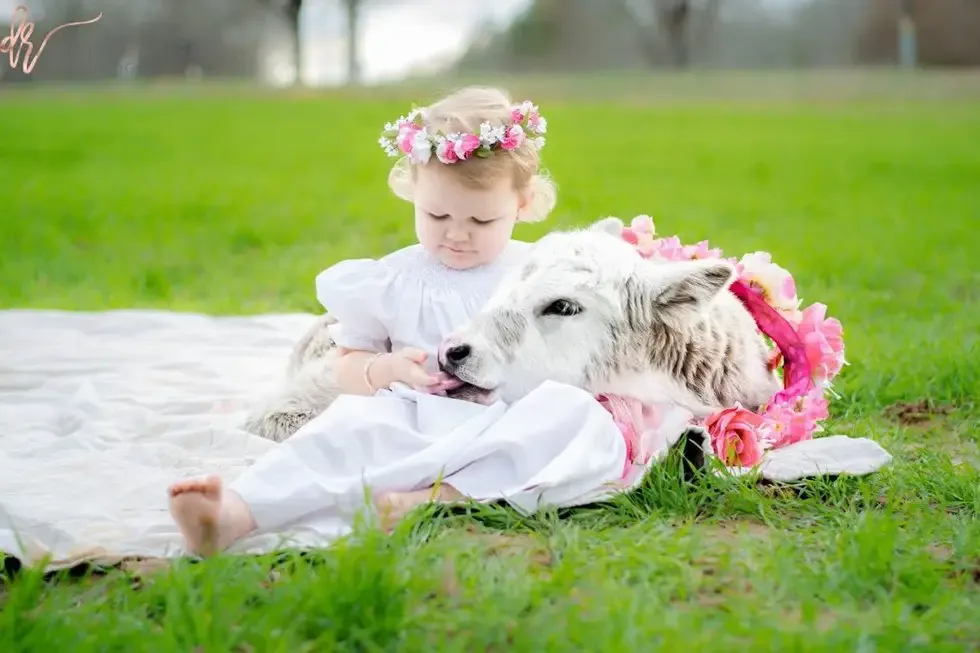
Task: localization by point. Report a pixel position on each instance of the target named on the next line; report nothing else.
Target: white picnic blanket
(101, 411)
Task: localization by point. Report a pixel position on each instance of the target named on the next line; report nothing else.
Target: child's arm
(403, 366)
(363, 295)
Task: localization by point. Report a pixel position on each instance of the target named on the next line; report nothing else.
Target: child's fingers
(415, 355)
(419, 378)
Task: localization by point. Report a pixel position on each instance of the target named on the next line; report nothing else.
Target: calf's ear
(610, 225)
(677, 288)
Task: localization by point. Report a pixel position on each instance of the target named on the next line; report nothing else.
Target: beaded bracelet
(367, 369)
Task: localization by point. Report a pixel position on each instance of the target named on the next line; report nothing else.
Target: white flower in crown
(528, 111)
(388, 146)
(421, 147)
(490, 135)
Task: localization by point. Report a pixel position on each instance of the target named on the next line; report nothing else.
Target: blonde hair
(463, 111)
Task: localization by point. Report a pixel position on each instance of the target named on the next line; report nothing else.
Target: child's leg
(393, 506)
(319, 473)
(210, 517)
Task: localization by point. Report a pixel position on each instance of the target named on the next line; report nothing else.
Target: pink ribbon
(797, 375)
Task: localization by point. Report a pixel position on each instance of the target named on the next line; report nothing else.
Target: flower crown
(411, 136)
(808, 350)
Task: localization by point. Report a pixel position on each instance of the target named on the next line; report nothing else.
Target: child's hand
(406, 367)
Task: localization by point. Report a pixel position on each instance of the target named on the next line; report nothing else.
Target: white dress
(556, 446)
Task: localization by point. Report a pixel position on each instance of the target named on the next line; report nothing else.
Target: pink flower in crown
(525, 110)
(466, 145)
(823, 340)
(414, 141)
(406, 136)
(737, 435)
(537, 123)
(513, 137)
(775, 283)
(701, 251)
(797, 420)
(446, 152)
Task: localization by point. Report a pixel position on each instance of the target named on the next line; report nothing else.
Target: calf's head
(573, 313)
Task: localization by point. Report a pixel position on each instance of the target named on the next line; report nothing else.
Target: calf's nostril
(458, 353)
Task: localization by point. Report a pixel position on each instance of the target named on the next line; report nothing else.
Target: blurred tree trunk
(353, 22)
(292, 11)
(686, 27)
(675, 17)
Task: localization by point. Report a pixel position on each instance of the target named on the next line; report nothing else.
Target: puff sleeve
(358, 293)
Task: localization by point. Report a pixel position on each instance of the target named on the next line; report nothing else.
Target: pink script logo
(21, 29)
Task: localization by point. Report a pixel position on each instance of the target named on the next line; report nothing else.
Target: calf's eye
(562, 307)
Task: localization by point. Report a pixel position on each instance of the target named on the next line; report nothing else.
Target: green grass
(232, 202)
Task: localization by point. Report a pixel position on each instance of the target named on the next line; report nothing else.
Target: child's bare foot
(196, 507)
(393, 506)
(209, 519)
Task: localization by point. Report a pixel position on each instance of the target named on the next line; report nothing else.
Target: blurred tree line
(231, 38)
(580, 35)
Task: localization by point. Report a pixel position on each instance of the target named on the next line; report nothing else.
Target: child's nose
(457, 234)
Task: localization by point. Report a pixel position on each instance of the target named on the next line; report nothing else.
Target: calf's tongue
(447, 382)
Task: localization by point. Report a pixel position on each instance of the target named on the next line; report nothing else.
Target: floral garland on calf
(808, 350)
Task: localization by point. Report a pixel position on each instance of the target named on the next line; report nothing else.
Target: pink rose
(406, 134)
(736, 435)
(513, 137)
(630, 236)
(466, 145)
(446, 152)
(823, 341)
(516, 115)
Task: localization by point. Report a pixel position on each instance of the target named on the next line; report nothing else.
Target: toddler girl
(470, 166)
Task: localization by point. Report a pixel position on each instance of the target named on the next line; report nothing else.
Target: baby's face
(463, 227)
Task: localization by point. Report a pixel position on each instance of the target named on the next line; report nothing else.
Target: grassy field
(231, 203)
